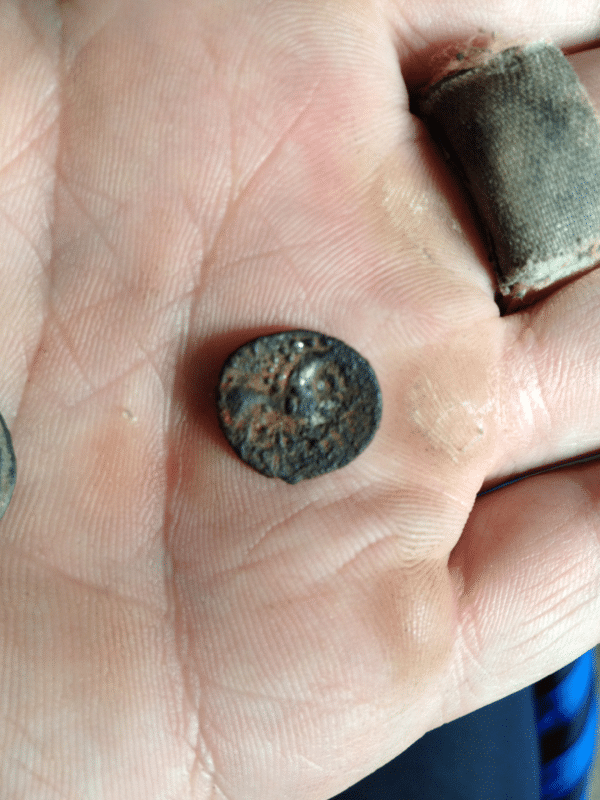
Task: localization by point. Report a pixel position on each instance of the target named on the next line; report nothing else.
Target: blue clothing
(537, 744)
(567, 719)
(491, 754)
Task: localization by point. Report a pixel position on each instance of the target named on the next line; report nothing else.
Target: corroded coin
(298, 404)
(8, 467)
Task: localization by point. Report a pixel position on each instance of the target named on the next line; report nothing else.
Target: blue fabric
(491, 754)
(567, 717)
(537, 744)
(562, 694)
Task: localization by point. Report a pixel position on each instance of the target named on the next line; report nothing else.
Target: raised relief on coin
(298, 404)
(8, 467)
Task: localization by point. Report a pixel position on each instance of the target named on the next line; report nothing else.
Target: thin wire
(569, 462)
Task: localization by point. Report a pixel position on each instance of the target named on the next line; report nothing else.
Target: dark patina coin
(298, 404)
(8, 467)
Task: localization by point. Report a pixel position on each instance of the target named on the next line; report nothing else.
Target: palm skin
(178, 177)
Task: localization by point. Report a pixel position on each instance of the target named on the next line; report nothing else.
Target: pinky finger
(529, 567)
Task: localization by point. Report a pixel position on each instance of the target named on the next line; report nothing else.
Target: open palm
(179, 176)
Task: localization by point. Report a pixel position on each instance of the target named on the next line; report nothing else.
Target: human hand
(178, 177)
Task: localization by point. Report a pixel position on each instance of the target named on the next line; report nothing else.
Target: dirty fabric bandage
(520, 130)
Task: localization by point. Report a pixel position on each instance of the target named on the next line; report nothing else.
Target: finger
(554, 396)
(549, 372)
(555, 363)
(423, 29)
(528, 564)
